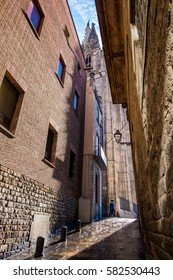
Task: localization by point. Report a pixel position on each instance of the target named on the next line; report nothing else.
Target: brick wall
(32, 63)
(30, 60)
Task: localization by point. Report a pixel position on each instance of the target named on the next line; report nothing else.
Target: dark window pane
(60, 69)
(96, 188)
(79, 69)
(97, 145)
(34, 15)
(71, 169)
(35, 18)
(49, 145)
(75, 103)
(88, 61)
(8, 99)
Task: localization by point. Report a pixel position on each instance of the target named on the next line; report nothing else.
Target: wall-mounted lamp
(92, 74)
(118, 136)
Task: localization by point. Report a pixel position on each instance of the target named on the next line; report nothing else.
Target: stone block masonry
(20, 198)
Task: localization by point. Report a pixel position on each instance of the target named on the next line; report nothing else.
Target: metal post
(39, 247)
(78, 225)
(63, 233)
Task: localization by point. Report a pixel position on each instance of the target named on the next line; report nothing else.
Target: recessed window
(35, 15)
(98, 115)
(71, 167)
(76, 101)
(61, 69)
(10, 104)
(97, 145)
(66, 33)
(132, 11)
(88, 60)
(79, 69)
(51, 145)
(96, 188)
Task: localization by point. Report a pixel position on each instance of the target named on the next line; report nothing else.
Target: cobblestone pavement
(111, 238)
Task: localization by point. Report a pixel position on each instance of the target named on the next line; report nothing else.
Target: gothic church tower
(117, 180)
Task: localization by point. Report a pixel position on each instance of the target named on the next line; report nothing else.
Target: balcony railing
(101, 157)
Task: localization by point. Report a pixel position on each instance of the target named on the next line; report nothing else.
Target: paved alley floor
(108, 239)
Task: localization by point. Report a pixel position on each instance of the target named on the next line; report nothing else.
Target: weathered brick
(28, 184)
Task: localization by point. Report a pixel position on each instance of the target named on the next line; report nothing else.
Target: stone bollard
(63, 233)
(78, 225)
(39, 247)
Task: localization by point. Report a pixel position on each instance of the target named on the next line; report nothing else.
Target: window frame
(51, 159)
(98, 115)
(96, 188)
(79, 69)
(10, 131)
(62, 77)
(88, 61)
(37, 31)
(97, 143)
(76, 97)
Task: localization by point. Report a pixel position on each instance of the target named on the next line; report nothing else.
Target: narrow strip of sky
(82, 12)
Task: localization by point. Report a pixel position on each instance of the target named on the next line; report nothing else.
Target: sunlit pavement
(108, 239)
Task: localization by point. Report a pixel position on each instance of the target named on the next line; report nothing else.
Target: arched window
(88, 60)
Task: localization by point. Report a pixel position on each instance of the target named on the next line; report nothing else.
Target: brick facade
(29, 59)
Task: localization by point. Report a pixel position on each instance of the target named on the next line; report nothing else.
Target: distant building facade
(117, 179)
(94, 158)
(42, 101)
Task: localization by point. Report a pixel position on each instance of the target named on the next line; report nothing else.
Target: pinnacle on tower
(91, 38)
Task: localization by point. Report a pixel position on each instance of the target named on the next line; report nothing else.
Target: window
(98, 115)
(88, 60)
(76, 101)
(66, 33)
(101, 133)
(132, 11)
(61, 69)
(97, 145)
(10, 104)
(51, 145)
(79, 69)
(71, 168)
(96, 188)
(35, 15)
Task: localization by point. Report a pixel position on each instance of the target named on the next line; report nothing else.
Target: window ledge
(31, 25)
(6, 132)
(59, 80)
(48, 163)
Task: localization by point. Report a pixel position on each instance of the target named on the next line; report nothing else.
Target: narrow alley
(86, 129)
(108, 239)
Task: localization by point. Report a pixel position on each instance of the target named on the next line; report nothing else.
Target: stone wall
(158, 112)
(151, 127)
(140, 19)
(20, 198)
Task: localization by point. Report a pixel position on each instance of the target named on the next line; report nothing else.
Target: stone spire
(87, 33)
(91, 38)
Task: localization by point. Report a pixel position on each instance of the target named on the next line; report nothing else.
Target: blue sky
(82, 12)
